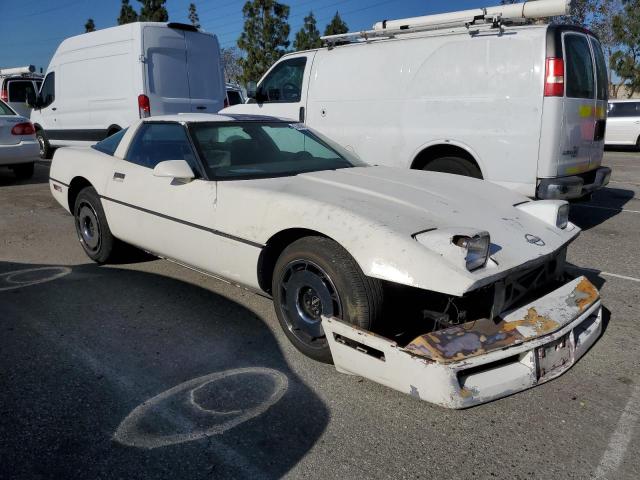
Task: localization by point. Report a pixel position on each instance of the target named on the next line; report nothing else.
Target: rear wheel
(92, 227)
(454, 165)
(46, 152)
(24, 171)
(316, 277)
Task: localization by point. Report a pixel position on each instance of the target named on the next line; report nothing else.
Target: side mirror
(176, 169)
(31, 99)
(252, 89)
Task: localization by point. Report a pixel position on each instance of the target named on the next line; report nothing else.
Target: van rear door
(206, 82)
(578, 139)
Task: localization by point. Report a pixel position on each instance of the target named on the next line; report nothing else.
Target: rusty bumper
(479, 361)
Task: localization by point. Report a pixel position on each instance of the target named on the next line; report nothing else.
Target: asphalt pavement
(148, 370)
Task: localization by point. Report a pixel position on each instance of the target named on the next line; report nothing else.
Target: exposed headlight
(562, 219)
(477, 249)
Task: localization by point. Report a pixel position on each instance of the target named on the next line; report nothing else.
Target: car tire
(46, 152)
(316, 276)
(92, 227)
(23, 171)
(454, 165)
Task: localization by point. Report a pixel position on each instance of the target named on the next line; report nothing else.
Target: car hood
(375, 213)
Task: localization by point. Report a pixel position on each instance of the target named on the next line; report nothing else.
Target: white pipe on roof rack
(530, 9)
(17, 70)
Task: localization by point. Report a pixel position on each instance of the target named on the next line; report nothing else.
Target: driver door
(282, 92)
(168, 217)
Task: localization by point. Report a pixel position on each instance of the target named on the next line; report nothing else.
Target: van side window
(579, 67)
(157, 142)
(601, 70)
(284, 82)
(48, 90)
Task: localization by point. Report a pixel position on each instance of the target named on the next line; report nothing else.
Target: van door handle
(118, 177)
(201, 107)
(301, 115)
(54, 108)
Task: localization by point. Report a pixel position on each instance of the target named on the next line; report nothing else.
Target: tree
(89, 26)
(626, 61)
(153, 11)
(231, 64)
(127, 13)
(336, 26)
(308, 36)
(264, 38)
(193, 15)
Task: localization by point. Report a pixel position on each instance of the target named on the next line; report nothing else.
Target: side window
(625, 109)
(601, 70)
(48, 90)
(157, 142)
(110, 144)
(284, 82)
(579, 67)
(5, 110)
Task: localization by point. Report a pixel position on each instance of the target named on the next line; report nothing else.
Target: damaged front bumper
(478, 361)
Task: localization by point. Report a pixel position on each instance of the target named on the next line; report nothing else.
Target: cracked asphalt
(156, 351)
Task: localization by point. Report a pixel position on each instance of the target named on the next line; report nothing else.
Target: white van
(99, 82)
(18, 84)
(520, 105)
(623, 123)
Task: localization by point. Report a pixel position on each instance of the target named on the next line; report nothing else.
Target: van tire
(319, 268)
(46, 152)
(455, 166)
(23, 171)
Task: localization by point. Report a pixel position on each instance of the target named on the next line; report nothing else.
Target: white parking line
(605, 208)
(620, 439)
(606, 274)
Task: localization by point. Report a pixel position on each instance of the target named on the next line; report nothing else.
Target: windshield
(233, 150)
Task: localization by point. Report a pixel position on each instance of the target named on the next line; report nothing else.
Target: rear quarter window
(579, 74)
(110, 144)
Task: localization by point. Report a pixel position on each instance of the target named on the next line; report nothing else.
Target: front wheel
(316, 277)
(92, 227)
(454, 165)
(46, 152)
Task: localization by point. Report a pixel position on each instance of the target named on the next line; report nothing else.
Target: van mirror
(252, 88)
(176, 169)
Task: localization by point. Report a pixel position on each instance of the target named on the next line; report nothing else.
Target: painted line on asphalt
(606, 274)
(620, 439)
(31, 276)
(606, 208)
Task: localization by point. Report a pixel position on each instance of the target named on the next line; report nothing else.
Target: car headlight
(562, 220)
(552, 212)
(477, 248)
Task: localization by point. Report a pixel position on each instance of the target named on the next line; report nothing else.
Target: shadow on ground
(605, 204)
(84, 350)
(8, 178)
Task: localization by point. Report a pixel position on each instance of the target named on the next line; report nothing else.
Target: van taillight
(4, 95)
(24, 128)
(144, 107)
(554, 77)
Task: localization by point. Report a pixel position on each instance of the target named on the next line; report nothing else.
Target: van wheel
(92, 227)
(316, 277)
(24, 171)
(454, 165)
(46, 152)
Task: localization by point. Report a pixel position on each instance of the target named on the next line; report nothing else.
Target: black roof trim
(182, 26)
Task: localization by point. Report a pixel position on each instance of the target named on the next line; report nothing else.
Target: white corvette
(446, 287)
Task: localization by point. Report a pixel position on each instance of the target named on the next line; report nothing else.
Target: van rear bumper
(574, 186)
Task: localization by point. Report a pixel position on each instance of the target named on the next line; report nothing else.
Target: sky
(31, 30)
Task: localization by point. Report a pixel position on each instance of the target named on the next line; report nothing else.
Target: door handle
(118, 177)
(54, 108)
(201, 107)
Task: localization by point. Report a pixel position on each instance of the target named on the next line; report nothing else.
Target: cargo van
(16, 85)
(476, 93)
(99, 82)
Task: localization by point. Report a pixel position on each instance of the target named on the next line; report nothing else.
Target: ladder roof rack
(491, 17)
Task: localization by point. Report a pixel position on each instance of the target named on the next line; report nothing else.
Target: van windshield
(236, 150)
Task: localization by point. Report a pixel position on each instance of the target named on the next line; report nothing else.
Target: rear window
(624, 109)
(234, 97)
(579, 75)
(110, 144)
(5, 110)
(18, 90)
(601, 71)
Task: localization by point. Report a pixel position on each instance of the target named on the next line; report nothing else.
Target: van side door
(206, 81)
(602, 97)
(282, 92)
